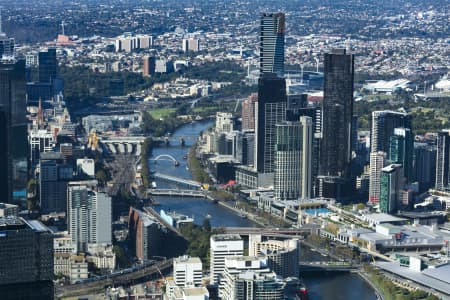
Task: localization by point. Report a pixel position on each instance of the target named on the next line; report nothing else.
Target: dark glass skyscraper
(337, 107)
(270, 110)
(271, 43)
(47, 65)
(13, 132)
(442, 160)
(401, 150)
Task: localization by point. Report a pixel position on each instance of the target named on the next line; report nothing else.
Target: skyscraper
(401, 150)
(442, 160)
(89, 215)
(13, 132)
(293, 159)
(270, 110)
(6, 45)
(248, 112)
(47, 65)
(391, 186)
(377, 162)
(26, 259)
(425, 165)
(271, 43)
(337, 108)
(383, 126)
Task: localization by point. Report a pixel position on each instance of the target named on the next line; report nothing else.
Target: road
(123, 172)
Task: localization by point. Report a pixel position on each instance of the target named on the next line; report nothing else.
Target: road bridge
(187, 182)
(270, 232)
(176, 193)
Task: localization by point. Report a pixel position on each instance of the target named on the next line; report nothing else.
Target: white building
(249, 278)
(40, 140)
(89, 215)
(191, 45)
(224, 122)
(283, 257)
(377, 161)
(86, 166)
(222, 246)
(187, 271)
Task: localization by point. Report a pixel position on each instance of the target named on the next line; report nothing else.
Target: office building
(271, 43)
(293, 160)
(377, 163)
(149, 66)
(283, 257)
(270, 110)
(48, 65)
(26, 259)
(13, 132)
(442, 160)
(293, 113)
(222, 246)
(425, 165)
(401, 151)
(187, 271)
(224, 122)
(40, 140)
(6, 47)
(8, 210)
(391, 182)
(249, 278)
(150, 238)
(337, 113)
(53, 178)
(248, 112)
(89, 214)
(383, 126)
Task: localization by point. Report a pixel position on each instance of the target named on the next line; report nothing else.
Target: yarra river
(341, 286)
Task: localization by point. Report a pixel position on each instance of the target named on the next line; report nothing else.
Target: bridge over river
(179, 180)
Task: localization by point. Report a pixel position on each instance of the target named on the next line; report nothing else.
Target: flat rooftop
(419, 277)
(226, 237)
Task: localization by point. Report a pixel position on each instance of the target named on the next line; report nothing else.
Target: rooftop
(226, 237)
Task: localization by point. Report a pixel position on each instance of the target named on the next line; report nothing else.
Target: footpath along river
(342, 286)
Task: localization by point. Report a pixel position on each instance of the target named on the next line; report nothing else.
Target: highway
(112, 280)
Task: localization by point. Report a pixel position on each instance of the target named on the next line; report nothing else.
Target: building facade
(337, 109)
(248, 112)
(13, 132)
(377, 162)
(270, 110)
(442, 160)
(89, 215)
(187, 271)
(26, 259)
(292, 178)
(222, 246)
(391, 186)
(271, 43)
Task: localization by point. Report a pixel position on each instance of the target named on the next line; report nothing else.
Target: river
(341, 286)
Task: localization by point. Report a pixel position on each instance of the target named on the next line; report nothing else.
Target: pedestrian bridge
(174, 179)
(326, 266)
(166, 157)
(176, 193)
